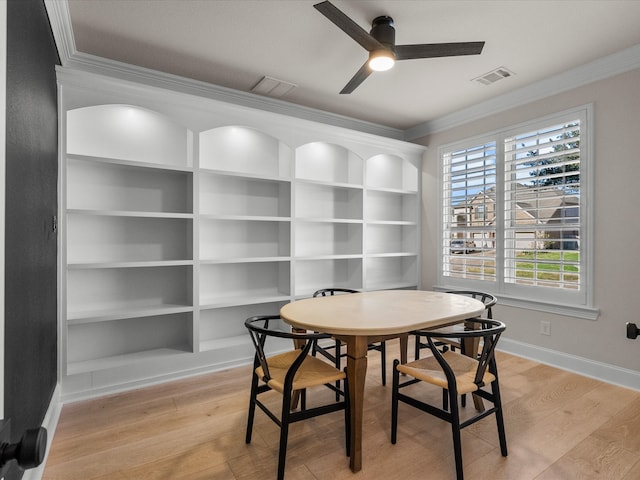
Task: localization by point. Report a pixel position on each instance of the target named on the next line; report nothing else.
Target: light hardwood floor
(559, 426)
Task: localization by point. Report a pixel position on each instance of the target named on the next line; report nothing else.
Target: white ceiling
(234, 43)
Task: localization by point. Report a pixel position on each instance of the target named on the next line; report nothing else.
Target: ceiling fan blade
(430, 50)
(358, 78)
(348, 26)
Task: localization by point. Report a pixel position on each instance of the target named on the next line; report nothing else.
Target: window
(514, 216)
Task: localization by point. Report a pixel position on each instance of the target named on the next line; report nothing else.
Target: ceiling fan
(380, 42)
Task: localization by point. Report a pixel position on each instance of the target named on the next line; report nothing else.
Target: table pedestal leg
(356, 374)
(404, 346)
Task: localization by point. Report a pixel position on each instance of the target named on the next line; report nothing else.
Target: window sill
(577, 311)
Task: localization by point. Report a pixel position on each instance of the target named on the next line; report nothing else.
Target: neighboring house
(540, 213)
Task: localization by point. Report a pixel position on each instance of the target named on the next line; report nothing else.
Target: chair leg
(416, 354)
(497, 402)
(383, 360)
(336, 352)
(445, 399)
(457, 441)
(284, 434)
(394, 402)
(252, 407)
(303, 399)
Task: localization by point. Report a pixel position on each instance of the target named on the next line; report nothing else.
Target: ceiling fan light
(381, 60)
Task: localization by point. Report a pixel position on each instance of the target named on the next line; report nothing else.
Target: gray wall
(31, 203)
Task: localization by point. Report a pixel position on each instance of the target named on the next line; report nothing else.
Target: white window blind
(514, 211)
(542, 207)
(469, 213)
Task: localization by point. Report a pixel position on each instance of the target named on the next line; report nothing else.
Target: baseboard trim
(583, 366)
(105, 390)
(50, 422)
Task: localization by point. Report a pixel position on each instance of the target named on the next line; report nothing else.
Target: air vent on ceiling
(273, 87)
(494, 75)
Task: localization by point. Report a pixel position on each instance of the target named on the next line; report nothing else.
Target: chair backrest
(261, 327)
(327, 292)
(486, 298)
(487, 329)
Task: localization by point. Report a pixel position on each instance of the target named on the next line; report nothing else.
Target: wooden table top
(384, 312)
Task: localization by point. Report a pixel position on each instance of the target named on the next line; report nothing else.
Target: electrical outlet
(545, 328)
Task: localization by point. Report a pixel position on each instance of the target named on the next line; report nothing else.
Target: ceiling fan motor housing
(382, 30)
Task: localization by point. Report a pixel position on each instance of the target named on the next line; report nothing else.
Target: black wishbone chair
(334, 352)
(486, 298)
(289, 372)
(457, 374)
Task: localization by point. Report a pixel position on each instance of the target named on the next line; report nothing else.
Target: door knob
(632, 330)
(28, 452)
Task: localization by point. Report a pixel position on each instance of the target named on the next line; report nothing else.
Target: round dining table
(361, 318)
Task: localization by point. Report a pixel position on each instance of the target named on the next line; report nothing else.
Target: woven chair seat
(313, 372)
(428, 370)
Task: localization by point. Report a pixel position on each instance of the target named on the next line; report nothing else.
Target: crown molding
(59, 17)
(605, 67)
(60, 21)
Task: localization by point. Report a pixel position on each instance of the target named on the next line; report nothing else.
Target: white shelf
(93, 316)
(392, 254)
(125, 360)
(244, 175)
(129, 163)
(329, 257)
(329, 184)
(131, 264)
(391, 222)
(211, 302)
(247, 218)
(125, 213)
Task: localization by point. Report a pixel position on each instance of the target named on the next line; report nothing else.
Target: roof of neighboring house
(536, 204)
(546, 204)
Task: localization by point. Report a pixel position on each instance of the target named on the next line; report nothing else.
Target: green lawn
(553, 266)
(565, 263)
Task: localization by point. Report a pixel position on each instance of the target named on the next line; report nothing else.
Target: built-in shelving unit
(128, 246)
(180, 221)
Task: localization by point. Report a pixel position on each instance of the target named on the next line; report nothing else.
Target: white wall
(598, 348)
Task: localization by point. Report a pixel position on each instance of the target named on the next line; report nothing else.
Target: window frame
(556, 300)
